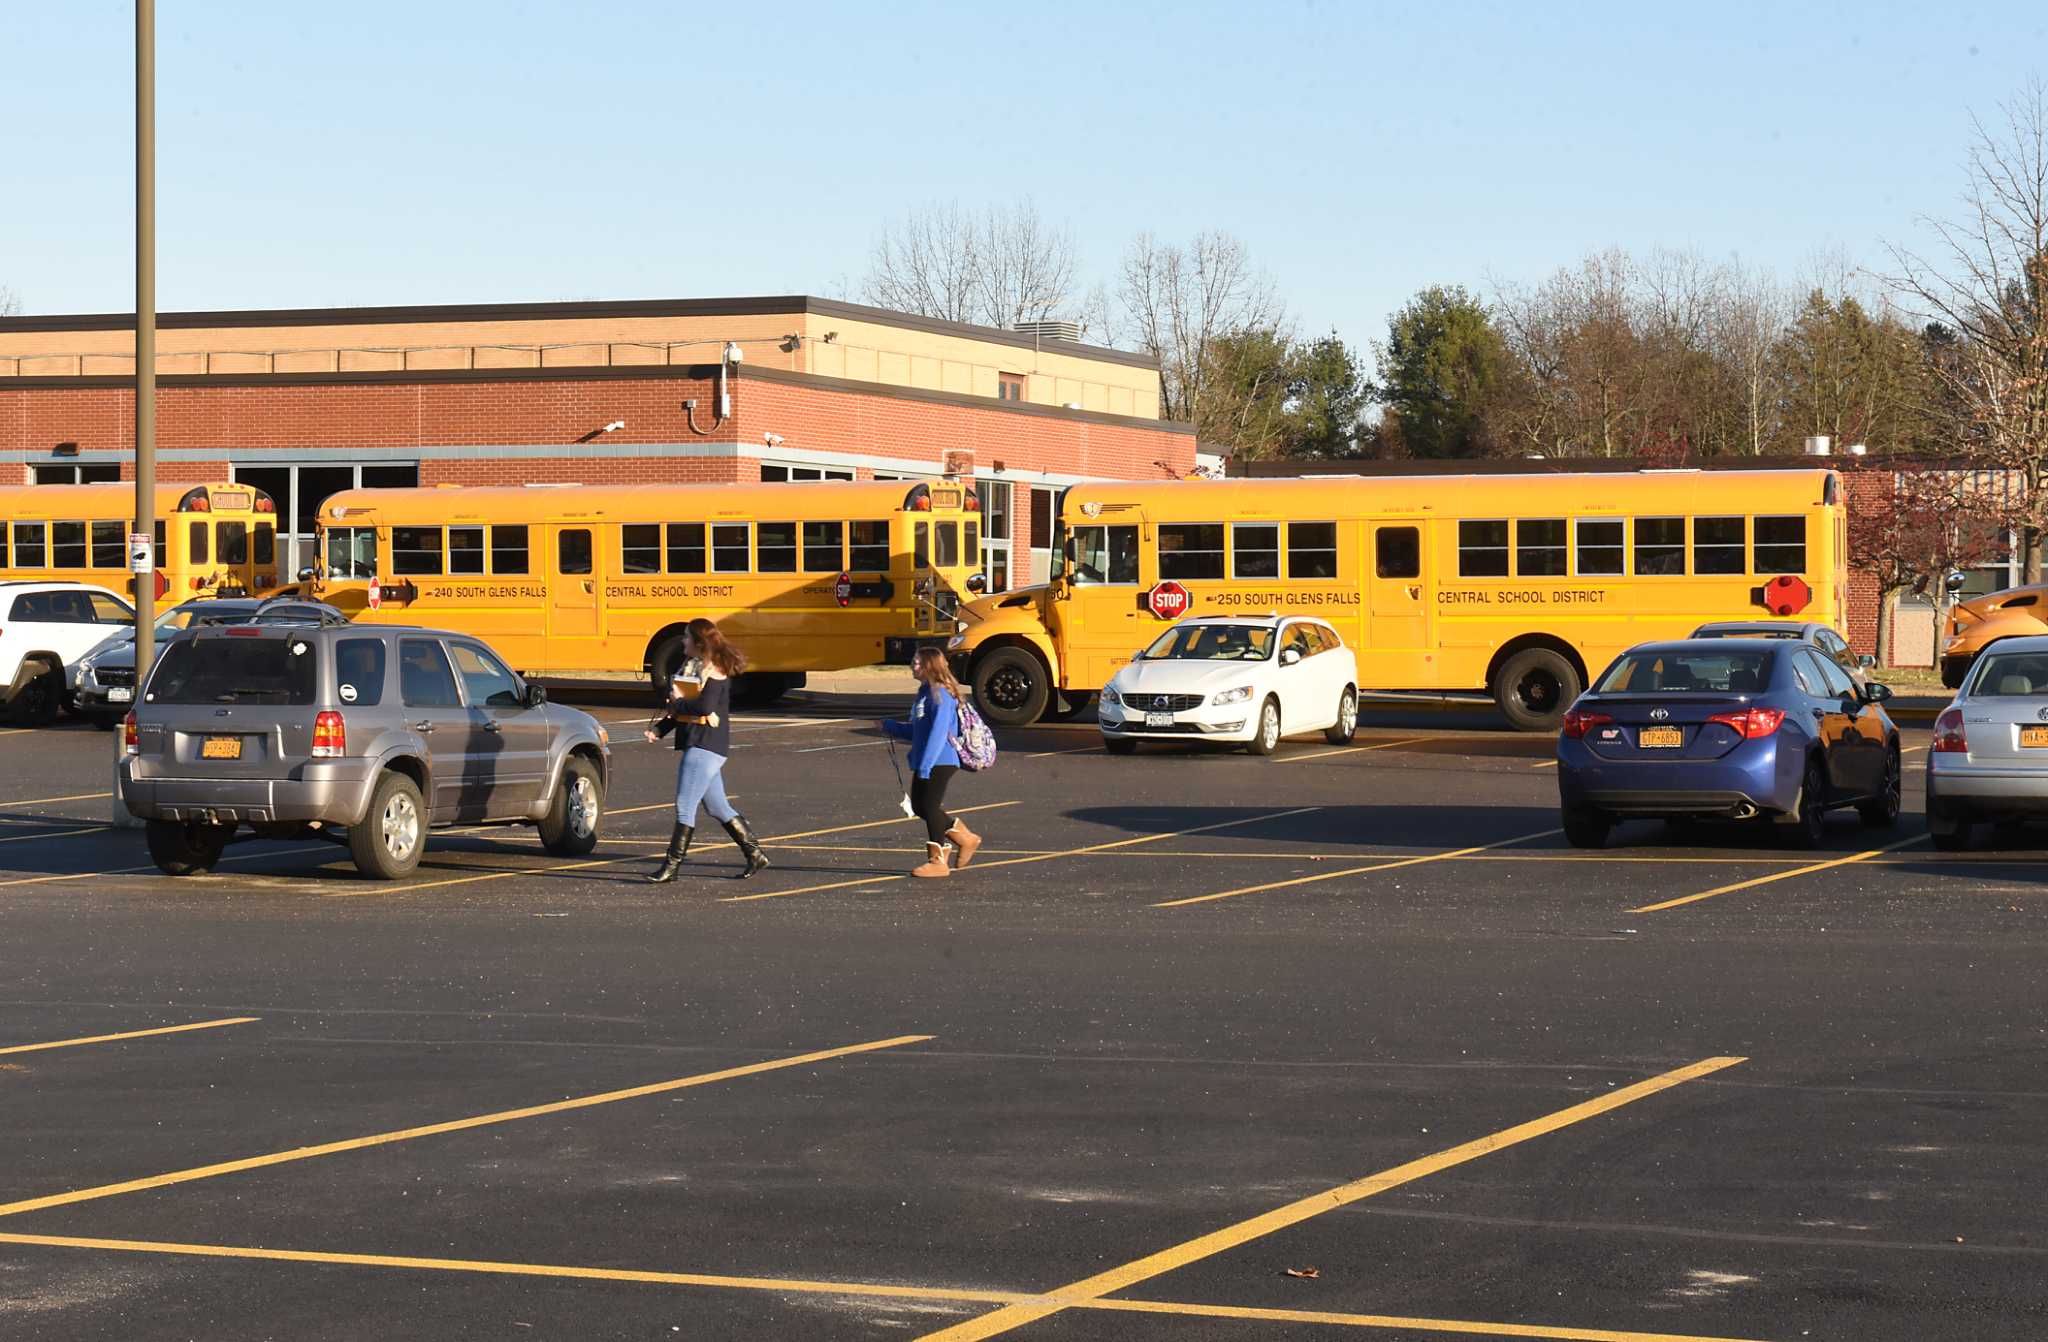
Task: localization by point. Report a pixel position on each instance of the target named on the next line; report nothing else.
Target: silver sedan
(1989, 760)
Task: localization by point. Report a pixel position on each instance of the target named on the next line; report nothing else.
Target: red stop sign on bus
(1169, 600)
(842, 589)
(376, 594)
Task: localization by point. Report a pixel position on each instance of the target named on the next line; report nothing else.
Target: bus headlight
(1236, 696)
(955, 643)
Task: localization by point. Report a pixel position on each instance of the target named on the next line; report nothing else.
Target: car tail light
(330, 736)
(1948, 733)
(1752, 723)
(131, 740)
(1577, 722)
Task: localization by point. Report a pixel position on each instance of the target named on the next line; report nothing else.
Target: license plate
(221, 748)
(2034, 737)
(120, 694)
(1660, 738)
(1159, 719)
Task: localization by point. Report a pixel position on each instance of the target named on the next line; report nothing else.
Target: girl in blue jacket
(931, 729)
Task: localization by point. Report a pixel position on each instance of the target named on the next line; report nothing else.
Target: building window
(1397, 552)
(1041, 518)
(1600, 547)
(1009, 386)
(1255, 550)
(79, 473)
(1191, 550)
(299, 492)
(1718, 545)
(1540, 548)
(870, 548)
(779, 474)
(1780, 545)
(995, 541)
(1660, 545)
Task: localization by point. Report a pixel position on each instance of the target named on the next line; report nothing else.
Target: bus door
(1098, 621)
(1397, 635)
(573, 599)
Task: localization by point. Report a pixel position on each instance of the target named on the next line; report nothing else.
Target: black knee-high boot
(750, 848)
(678, 849)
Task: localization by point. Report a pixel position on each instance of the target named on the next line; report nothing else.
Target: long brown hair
(937, 670)
(714, 649)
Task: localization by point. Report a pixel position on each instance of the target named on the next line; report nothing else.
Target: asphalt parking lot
(1341, 1043)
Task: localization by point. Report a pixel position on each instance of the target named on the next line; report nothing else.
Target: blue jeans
(698, 781)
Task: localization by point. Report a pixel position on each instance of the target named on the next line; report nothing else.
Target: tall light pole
(145, 362)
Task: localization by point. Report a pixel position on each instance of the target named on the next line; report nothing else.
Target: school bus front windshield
(207, 539)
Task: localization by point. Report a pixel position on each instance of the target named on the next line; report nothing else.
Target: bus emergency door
(573, 599)
(1397, 633)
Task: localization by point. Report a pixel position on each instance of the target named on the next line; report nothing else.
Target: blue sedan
(1726, 729)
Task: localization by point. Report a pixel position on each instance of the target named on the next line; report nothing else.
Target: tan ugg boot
(965, 842)
(935, 864)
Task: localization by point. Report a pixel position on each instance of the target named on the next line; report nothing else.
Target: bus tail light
(1752, 724)
(330, 736)
(973, 502)
(1949, 737)
(264, 503)
(131, 740)
(1577, 722)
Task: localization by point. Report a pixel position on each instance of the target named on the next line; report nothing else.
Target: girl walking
(703, 731)
(932, 729)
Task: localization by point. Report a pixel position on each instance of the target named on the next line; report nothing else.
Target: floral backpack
(975, 743)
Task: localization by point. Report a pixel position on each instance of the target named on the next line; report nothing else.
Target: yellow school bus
(211, 539)
(1520, 586)
(569, 578)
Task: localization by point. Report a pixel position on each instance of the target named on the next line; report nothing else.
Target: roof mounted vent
(1053, 330)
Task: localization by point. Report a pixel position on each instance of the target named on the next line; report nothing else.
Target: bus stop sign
(375, 596)
(842, 589)
(1787, 594)
(1169, 600)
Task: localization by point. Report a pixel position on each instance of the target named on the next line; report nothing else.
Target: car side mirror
(977, 583)
(1289, 656)
(1866, 661)
(536, 695)
(1876, 693)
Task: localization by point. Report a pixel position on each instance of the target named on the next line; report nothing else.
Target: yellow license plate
(221, 748)
(2036, 737)
(1660, 738)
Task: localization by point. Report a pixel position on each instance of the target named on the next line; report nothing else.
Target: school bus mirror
(977, 583)
(306, 574)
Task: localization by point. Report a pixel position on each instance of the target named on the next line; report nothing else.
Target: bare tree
(1180, 303)
(1750, 320)
(1000, 267)
(1986, 290)
(10, 303)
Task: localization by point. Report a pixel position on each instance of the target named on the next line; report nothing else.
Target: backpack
(976, 744)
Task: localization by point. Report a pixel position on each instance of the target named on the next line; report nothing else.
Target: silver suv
(367, 735)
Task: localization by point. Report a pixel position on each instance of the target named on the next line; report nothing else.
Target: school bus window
(1191, 550)
(1482, 549)
(30, 540)
(1660, 545)
(1105, 555)
(640, 547)
(1255, 550)
(729, 547)
(686, 547)
(416, 551)
(921, 556)
(233, 542)
(509, 550)
(1311, 549)
(351, 552)
(824, 546)
(775, 547)
(1718, 545)
(1540, 548)
(572, 551)
(3, 547)
(465, 549)
(266, 545)
(109, 548)
(67, 545)
(159, 537)
(1397, 552)
(970, 544)
(870, 551)
(1600, 547)
(946, 544)
(1780, 544)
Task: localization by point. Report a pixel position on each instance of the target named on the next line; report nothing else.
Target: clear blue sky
(436, 151)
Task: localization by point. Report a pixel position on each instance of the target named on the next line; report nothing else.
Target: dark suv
(365, 734)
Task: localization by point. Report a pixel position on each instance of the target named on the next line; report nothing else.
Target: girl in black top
(705, 738)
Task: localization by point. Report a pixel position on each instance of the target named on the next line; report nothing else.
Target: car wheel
(387, 844)
(186, 849)
(1585, 827)
(1119, 745)
(1267, 739)
(1346, 726)
(571, 825)
(1534, 688)
(1882, 811)
(39, 700)
(1806, 827)
(1011, 687)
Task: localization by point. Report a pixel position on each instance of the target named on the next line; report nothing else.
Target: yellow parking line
(1774, 876)
(1035, 857)
(858, 1289)
(129, 1034)
(456, 1125)
(1544, 764)
(1351, 871)
(1280, 1218)
(151, 866)
(1349, 750)
(1070, 750)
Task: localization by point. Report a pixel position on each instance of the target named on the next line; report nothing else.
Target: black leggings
(928, 799)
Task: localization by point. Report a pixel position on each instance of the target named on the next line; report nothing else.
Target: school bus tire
(663, 659)
(1011, 686)
(1534, 687)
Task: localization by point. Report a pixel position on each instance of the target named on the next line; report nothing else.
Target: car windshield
(1743, 671)
(2012, 675)
(234, 671)
(1212, 643)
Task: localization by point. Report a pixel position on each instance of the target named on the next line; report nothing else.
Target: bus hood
(2017, 600)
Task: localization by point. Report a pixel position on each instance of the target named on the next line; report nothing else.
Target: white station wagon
(1248, 680)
